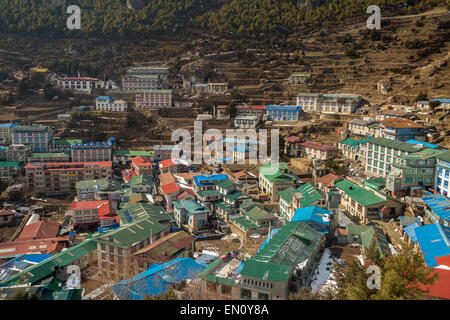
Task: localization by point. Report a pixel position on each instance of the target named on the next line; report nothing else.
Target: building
(115, 249)
(136, 82)
(163, 152)
(434, 242)
(317, 151)
(293, 146)
(124, 156)
(304, 196)
(253, 218)
(329, 103)
(392, 114)
(354, 149)
(246, 122)
(154, 98)
(82, 84)
(142, 166)
(273, 179)
(91, 152)
(102, 189)
(364, 235)
(284, 113)
(48, 157)
(250, 110)
(381, 153)
(6, 217)
(5, 133)
(217, 87)
(425, 105)
(39, 137)
(63, 145)
(442, 178)
(299, 78)
(364, 128)
(18, 152)
(327, 183)
(318, 218)
(402, 129)
(366, 203)
(222, 112)
(413, 170)
(9, 169)
(93, 214)
(62, 177)
(437, 209)
(190, 214)
(106, 103)
(285, 264)
(173, 246)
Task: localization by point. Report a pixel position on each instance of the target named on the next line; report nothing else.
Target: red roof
(141, 161)
(19, 247)
(443, 261)
(398, 123)
(39, 230)
(6, 212)
(441, 287)
(170, 188)
(104, 211)
(316, 145)
(293, 139)
(68, 165)
(185, 193)
(81, 79)
(252, 107)
(166, 163)
(342, 231)
(84, 205)
(328, 180)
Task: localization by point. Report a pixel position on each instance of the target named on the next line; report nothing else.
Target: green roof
(205, 274)
(350, 142)
(257, 213)
(138, 211)
(129, 235)
(293, 244)
(306, 194)
(286, 194)
(191, 206)
(10, 164)
(49, 155)
(67, 141)
(300, 74)
(362, 196)
(366, 234)
(208, 193)
(233, 195)
(153, 91)
(375, 183)
(444, 156)
(133, 153)
(244, 222)
(224, 184)
(224, 206)
(423, 155)
(272, 173)
(141, 181)
(397, 145)
(47, 267)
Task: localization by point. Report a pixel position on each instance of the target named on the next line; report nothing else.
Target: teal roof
(10, 164)
(133, 153)
(191, 206)
(141, 181)
(244, 222)
(397, 145)
(306, 194)
(138, 211)
(224, 184)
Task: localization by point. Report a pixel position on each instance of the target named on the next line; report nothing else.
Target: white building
(328, 103)
(246, 122)
(366, 127)
(82, 84)
(107, 103)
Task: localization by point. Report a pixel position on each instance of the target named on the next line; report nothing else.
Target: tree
(23, 89)
(421, 97)
(434, 104)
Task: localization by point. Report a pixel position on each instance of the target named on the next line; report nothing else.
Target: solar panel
(128, 216)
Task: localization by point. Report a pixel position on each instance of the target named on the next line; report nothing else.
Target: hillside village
(88, 180)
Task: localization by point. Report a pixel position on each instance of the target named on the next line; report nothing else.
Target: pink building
(314, 150)
(154, 98)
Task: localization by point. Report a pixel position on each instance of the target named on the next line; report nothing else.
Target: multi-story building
(354, 149)
(413, 170)
(63, 145)
(381, 153)
(364, 128)
(39, 137)
(62, 177)
(162, 72)
(292, 199)
(442, 179)
(5, 133)
(134, 82)
(83, 84)
(191, 214)
(142, 166)
(124, 156)
(246, 122)
(273, 179)
(314, 150)
(18, 152)
(402, 129)
(246, 110)
(284, 113)
(328, 103)
(437, 209)
(106, 103)
(91, 152)
(163, 152)
(48, 157)
(154, 98)
(285, 264)
(9, 169)
(217, 87)
(93, 213)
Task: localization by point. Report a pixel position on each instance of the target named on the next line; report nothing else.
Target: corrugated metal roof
(434, 241)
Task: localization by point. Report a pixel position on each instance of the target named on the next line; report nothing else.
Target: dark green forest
(112, 19)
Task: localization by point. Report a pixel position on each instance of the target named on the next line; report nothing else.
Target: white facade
(328, 103)
(110, 104)
(246, 122)
(82, 84)
(154, 98)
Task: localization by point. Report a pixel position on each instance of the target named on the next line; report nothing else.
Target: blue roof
(411, 231)
(240, 141)
(242, 148)
(316, 217)
(442, 100)
(287, 108)
(434, 242)
(200, 180)
(8, 125)
(105, 97)
(440, 205)
(269, 237)
(20, 263)
(157, 279)
(426, 144)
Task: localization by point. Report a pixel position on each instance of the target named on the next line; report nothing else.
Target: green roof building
(364, 235)
(273, 179)
(285, 261)
(304, 196)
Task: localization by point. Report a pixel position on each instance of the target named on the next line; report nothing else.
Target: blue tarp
(272, 233)
(440, 205)
(20, 263)
(156, 279)
(411, 232)
(316, 217)
(426, 144)
(434, 241)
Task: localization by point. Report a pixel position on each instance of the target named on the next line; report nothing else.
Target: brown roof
(328, 180)
(316, 145)
(166, 178)
(6, 212)
(39, 230)
(401, 123)
(18, 247)
(293, 139)
(165, 248)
